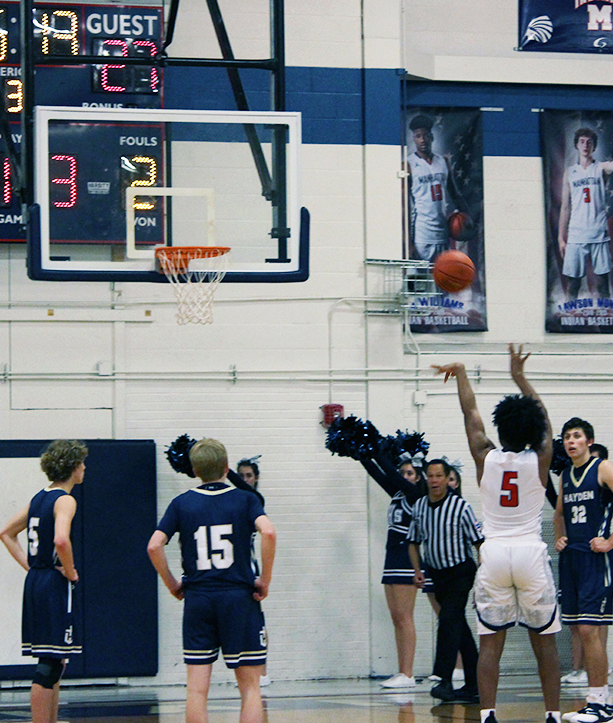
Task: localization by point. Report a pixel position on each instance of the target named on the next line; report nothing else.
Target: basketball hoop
(195, 273)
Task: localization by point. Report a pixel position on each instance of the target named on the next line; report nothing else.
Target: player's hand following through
(449, 370)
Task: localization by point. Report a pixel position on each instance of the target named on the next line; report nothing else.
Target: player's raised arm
(517, 361)
(564, 219)
(478, 441)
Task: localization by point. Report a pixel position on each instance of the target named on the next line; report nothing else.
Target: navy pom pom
(559, 459)
(351, 437)
(403, 443)
(178, 455)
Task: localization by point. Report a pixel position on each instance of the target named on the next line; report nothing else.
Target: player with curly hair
(514, 582)
(48, 620)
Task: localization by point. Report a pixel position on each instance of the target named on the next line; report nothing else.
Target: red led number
(511, 498)
(70, 180)
(7, 193)
(104, 75)
(153, 78)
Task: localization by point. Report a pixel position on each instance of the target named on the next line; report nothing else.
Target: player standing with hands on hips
(514, 582)
(48, 631)
(215, 522)
(582, 524)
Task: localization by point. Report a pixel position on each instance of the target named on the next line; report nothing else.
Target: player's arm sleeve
(256, 508)
(169, 524)
(240, 484)
(379, 476)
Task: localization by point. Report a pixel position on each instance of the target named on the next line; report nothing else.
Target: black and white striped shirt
(446, 530)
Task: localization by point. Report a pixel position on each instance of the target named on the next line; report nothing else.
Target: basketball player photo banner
(444, 194)
(577, 168)
(566, 26)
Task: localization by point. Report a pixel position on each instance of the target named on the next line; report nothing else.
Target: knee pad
(48, 672)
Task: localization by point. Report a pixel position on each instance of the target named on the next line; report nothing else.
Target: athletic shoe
(443, 690)
(576, 677)
(457, 675)
(434, 678)
(593, 713)
(466, 694)
(491, 718)
(265, 680)
(400, 680)
(550, 719)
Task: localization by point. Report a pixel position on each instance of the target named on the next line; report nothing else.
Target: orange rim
(180, 256)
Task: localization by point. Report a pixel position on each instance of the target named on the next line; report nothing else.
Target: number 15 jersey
(215, 523)
(512, 495)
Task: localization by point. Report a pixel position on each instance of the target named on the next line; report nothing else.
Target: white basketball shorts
(515, 585)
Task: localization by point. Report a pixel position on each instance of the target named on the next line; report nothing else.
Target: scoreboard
(89, 167)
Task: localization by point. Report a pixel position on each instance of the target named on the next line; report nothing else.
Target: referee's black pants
(452, 586)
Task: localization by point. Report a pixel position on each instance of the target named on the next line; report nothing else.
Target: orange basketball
(458, 222)
(453, 271)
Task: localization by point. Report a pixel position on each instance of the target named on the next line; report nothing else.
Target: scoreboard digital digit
(112, 32)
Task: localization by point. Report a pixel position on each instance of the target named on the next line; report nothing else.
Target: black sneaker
(467, 694)
(491, 718)
(443, 690)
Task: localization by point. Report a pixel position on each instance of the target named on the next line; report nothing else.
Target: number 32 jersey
(512, 495)
(215, 523)
(586, 505)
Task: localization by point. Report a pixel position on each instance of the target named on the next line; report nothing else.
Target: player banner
(444, 192)
(577, 168)
(566, 26)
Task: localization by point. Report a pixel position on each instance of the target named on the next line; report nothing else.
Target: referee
(446, 527)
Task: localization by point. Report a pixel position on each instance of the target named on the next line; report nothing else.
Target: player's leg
(546, 652)
(44, 694)
(488, 667)
(595, 655)
(401, 604)
(573, 268)
(248, 679)
(601, 263)
(198, 683)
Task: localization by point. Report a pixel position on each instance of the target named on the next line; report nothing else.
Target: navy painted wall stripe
(343, 106)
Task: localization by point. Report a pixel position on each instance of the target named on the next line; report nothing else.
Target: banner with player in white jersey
(577, 168)
(443, 164)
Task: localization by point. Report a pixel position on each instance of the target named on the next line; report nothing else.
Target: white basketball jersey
(429, 202)
(588, 218)
(512, 495)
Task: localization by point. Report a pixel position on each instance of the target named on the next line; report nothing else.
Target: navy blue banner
(566, 26)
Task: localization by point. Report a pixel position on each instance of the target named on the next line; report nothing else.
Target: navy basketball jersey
(41, 529)
(215, 523)
(585, 502)
(399, 516)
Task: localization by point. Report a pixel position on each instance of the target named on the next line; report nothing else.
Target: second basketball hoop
(195, 272)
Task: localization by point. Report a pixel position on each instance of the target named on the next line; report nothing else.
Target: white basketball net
(195, 273)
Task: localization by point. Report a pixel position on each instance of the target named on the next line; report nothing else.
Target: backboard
(112, 184)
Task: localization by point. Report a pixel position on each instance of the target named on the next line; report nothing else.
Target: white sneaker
(458, 674)
(434, 678)
(265, 680)
(570, 716)
(576, 677)
(400, 680)
(594, 713)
